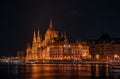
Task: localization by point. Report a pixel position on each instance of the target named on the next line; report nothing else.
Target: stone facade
(105, 47)
(55, 47)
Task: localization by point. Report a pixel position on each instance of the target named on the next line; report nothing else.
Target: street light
(115, 56)
(90, 57)
(97, 56)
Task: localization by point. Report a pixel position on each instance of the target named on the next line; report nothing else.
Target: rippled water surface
(58, 71)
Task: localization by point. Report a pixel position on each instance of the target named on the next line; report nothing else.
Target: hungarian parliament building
(55, 47)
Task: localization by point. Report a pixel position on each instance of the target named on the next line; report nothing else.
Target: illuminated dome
(51, 32)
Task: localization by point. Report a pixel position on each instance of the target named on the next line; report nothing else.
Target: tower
(51, 25)
(65, 37)
(38, 39)
(50, 34)
(34, 46)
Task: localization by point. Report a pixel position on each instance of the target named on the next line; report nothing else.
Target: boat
(114, 70)
(115, 64)
(30, 62)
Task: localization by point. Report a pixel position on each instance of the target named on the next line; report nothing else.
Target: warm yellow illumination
(115, 56)
(55, 47)
(97, 56)
(90, 57)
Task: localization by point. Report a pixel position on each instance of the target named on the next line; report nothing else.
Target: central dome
(51, 32)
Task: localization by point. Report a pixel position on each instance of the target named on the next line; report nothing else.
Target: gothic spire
(34, 37)
(38, 38)
(65, 37)
(51, 25)
(34, 45)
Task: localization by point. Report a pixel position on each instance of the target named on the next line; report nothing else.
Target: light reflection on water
(58, 71)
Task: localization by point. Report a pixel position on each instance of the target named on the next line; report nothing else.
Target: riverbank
(81, 62)
(62, 62)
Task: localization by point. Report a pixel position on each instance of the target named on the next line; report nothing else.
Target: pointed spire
(38, 34)
(38, 39)
(34, 44)
(65, 37)
(51, 23)
(34, 37)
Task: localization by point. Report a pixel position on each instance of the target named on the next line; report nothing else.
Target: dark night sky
(81, 19)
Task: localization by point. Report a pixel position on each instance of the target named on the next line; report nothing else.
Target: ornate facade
(104, 47)
(55, 47)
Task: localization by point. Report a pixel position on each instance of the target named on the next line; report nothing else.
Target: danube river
(58, 71)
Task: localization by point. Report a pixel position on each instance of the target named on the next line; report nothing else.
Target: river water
(58, 71)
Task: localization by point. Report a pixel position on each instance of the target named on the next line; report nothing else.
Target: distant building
(55, 47)
(105, 47)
